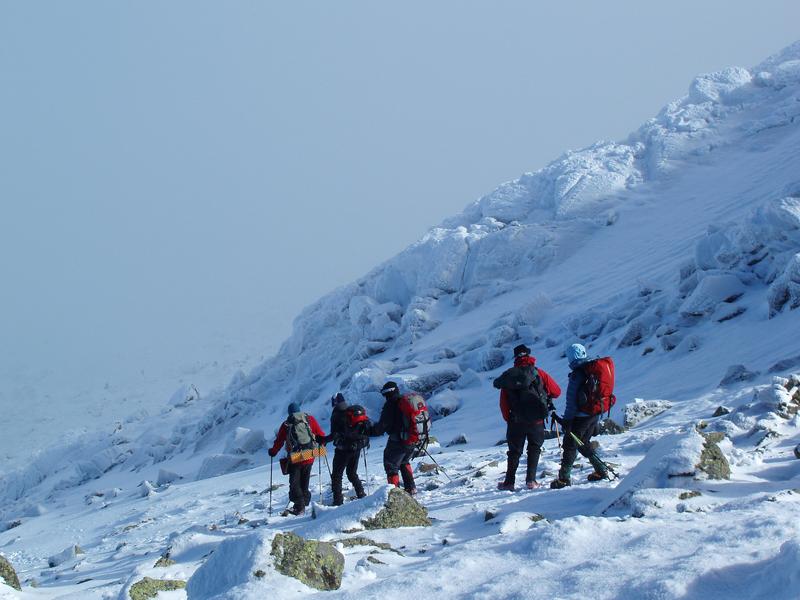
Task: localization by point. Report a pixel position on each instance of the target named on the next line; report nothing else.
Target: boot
(506, 486)
(559, 483)
(600, 470)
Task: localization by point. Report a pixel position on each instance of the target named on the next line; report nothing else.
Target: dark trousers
(516, 434)
(584, 428)
(397, 458)
(345, 459)
(299, 478)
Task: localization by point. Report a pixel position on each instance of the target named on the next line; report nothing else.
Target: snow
(676, 251)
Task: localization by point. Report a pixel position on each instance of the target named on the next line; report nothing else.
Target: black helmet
(389, 388)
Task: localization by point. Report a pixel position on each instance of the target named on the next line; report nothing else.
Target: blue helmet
(294, 407)
(576, 354)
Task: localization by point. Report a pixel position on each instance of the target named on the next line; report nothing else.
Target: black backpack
(527, 397)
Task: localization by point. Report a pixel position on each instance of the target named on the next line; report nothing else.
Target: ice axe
(597, 458)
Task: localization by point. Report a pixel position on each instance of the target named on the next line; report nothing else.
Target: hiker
(526, 395)
(589, 395)
(349, 432)
(302, 435)
(406, 420)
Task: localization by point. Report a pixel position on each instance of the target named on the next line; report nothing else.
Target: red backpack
(599, 387)
(416, 420)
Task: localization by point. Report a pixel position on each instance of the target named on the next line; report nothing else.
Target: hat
(294, 407)
(389, 387)
(576, 354)
(521, 350)
(336, 399)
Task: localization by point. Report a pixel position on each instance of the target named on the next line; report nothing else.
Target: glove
(554, 416)
(550, 406)
(272, 452)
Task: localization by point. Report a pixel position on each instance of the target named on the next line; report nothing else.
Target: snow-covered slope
(676, 250)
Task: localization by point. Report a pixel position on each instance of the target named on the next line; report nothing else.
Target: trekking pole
(270, 487)
(438, 466)
(328, 465)
(319, 476)
(366, 470)
(600, 460)
(558, 435)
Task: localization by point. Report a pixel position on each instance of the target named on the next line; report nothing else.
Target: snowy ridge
(677, 251)
(518, 238)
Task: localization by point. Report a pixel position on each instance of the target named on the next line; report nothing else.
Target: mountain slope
(676, 250)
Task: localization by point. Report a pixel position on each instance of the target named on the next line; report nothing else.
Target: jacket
(550, 386)
(391, 420)
(577, 378)
(283, 433)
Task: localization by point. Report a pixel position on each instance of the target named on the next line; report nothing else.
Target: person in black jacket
(348, 441)
(397, 455)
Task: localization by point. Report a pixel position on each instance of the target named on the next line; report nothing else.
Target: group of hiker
(404, 418)
(526, 403)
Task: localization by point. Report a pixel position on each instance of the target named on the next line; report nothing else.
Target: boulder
(400, 510)
(610, 427)
(427, 468)
(64, 556)
(148, 588)
(166, 477)
(458, 440)
(712, 461)
(737, 374)
(317, 564)
(641, 410)
(222, 464)
(797, 451)
(245, 441)
(7, 574)
(721, 411)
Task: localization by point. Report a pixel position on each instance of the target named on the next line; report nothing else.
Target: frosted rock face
(711, 291)
(220, 464)
(245, 441)
(641, 410)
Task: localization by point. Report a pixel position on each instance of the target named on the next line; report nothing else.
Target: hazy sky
(178, 175)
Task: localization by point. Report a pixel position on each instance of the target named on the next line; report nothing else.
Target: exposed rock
(401, 510)
(8, 574)
(317, 564)
(361, 540)
(797, 451)
(148, 588)
(164, 561)
(785, 364)
(737, 374)
(245, 441)
(641, 410)
(712, 461)
(610, 427)
(721, 411)
(490, 514)
(536, 517)
(427, 468)
(688, 495)
(146, 489)
(458, 440)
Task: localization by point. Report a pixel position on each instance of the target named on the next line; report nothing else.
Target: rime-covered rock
(640, 410)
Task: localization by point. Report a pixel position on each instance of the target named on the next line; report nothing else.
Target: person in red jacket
(526, 395)
(299, 431)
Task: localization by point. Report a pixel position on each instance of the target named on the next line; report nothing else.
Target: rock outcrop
(7, 574)
(317, 564)
(147, 588)
(401, 510)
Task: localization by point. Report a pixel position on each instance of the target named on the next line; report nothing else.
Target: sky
(178, 180)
